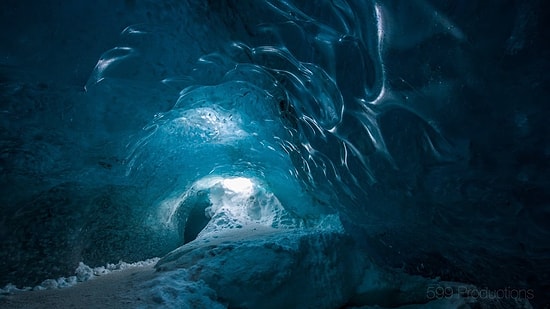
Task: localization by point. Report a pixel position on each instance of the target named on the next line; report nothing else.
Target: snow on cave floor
(113, 290)
(253, 267)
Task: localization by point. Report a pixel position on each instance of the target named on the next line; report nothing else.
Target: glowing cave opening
(215, 204)
(238, 185)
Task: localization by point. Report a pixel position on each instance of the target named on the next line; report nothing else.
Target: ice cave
(274, 154)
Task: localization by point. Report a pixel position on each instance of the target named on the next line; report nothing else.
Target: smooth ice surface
(410, 133)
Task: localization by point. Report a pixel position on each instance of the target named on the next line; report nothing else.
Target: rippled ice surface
(417, 126)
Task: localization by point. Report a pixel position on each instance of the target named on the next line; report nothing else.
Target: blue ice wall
(422, 124)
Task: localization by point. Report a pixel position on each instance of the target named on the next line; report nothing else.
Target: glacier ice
(379, 145)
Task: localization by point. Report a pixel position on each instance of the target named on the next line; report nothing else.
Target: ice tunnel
(274, 154)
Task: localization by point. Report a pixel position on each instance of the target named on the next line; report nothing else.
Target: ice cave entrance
(215, 204)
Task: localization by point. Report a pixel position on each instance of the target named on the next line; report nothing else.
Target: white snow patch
(82, 273)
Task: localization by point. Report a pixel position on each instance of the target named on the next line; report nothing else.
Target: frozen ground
(257, 267)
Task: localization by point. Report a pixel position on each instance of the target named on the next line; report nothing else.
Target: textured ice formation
(259, 266)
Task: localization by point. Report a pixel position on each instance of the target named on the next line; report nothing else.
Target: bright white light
(238, 184)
